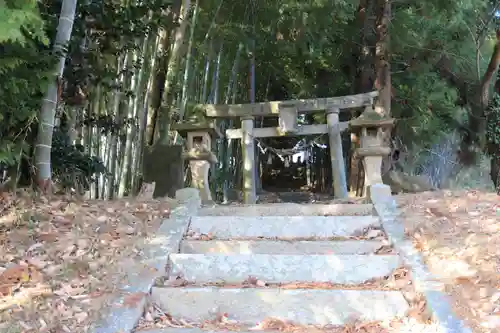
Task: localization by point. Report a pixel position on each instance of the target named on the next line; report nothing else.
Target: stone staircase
(311, 264)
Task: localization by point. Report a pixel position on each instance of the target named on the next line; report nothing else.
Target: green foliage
(20, 19)
(306, 50)
(10, 153)
(493, 126)
(71, 166)
(106, 123)
(25, 69)
(425, 106)
(302, 50)
(102, 31)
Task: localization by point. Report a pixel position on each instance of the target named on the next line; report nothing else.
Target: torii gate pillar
(336, 155)
(249, 167)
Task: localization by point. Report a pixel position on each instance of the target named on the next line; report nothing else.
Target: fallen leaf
(48, 237)
(7, 289)
(19, 273)
(176, 282)
(133, 299)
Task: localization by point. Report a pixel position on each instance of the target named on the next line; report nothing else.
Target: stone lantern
(372, 149)
(199, 137)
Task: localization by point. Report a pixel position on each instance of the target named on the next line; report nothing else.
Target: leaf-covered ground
(61, 260)
(458, 234)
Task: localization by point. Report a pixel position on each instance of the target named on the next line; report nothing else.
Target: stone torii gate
(370, 126)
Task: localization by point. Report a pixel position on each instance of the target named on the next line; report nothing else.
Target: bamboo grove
(86, 84)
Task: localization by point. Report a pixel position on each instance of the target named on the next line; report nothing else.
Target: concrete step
(275, 268)
(288, 209)
(410, 327)
(301, 306)
(287, 227)
(191, 330)
(281, 247)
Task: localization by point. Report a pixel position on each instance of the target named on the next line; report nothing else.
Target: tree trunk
(490, 71)
(43, 145)
(144, 85)
(131, 131)
(187, 69)
(492, 136)
(478, 116)
(160, 70)
(206, 74)
(363, 83)
(474, 137)
(223, 157)
(383, 69)
(114, 136)
(163, 119)
(214, 98)
(93, 109)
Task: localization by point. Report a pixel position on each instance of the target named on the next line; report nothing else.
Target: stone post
(164, 166)
(200, 169)
(372, 163)
(258, 182)
(372, 151)
(248, 152)
(199, 173)
(336, 155)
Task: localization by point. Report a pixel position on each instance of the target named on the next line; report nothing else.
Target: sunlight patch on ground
(458, 234)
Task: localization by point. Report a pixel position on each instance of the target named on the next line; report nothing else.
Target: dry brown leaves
(371, 233)
(398, 280)
(459, 236)
(155, 317)
(60, 259)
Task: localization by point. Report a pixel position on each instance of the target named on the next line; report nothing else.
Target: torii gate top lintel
(271, 109)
